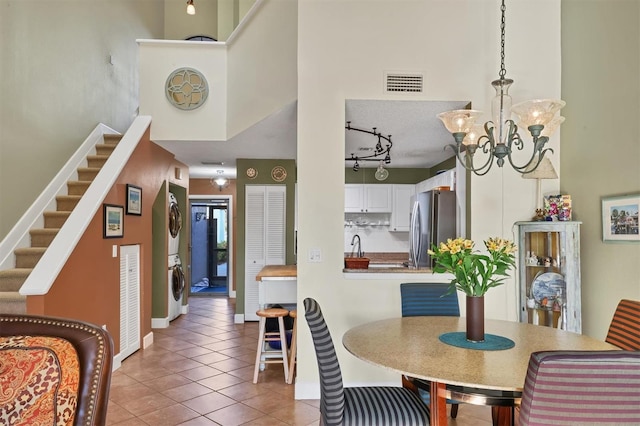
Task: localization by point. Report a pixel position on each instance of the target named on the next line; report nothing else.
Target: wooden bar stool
(264, 355)
(292, 357)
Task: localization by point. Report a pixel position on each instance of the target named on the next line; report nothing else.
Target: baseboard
(117, 362)
(307, 390)
(184, 309)
(238, 319)
(159, 322)
(147, 340)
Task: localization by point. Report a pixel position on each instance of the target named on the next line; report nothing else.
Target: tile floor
(199, 372)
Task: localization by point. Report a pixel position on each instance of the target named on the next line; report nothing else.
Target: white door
(265, 234)
(129, 300)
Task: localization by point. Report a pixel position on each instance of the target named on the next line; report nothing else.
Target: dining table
(420, 347)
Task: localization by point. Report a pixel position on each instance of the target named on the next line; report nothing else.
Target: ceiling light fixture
(500, 136)
(379, 150)
(221, 181)
(191, 9)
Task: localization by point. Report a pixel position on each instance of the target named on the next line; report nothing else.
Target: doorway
(209, 247)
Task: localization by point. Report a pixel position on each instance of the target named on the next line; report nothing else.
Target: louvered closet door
(264, 237)
(129, 300)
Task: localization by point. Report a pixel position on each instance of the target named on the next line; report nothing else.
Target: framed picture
(113, 221)
(620, 218)
(134, 200)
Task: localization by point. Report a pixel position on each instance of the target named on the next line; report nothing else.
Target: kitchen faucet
(360, 252)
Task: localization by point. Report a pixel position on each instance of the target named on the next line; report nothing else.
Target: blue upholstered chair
(426, 299)
(582, 388)
(361, 406)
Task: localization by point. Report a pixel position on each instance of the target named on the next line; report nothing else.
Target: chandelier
(499, 138)
(380, 152)
(220, 181)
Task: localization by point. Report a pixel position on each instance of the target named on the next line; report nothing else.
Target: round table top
(411, 346)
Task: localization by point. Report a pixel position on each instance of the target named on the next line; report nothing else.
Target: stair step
(97, 160)
(111, 139)
(88, 173)
(12, 279)
(66, 203)
(77, 187)
(55, 219)
(42, 237)
(12, 302)
(105, 149)
(28, 257)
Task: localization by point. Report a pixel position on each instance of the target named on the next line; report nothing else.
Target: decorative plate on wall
(278, 173)
(186, 88)
(252, 173)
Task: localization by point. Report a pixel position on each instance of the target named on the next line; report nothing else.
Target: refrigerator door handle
(415, 234)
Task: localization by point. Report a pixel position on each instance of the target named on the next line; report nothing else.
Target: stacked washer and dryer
(176, 274)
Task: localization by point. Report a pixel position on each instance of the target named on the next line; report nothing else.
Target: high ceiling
(418, 137)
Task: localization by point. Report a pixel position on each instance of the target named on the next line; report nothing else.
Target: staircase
(11, 301)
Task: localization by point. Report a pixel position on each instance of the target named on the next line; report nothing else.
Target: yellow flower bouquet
(474, 273)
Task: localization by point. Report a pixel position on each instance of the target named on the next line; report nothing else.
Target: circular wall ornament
(278, 173)
(186, 88)
(252, 173)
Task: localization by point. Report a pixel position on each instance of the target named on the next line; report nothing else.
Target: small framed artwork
(113, 222)
(134, 200)
(620, 218)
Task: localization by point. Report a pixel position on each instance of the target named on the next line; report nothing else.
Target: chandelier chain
(503, 70)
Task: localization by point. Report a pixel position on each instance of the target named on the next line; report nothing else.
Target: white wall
(58, 82)
(456, 45)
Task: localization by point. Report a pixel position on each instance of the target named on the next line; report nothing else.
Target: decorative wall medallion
(186, 88)
(252, 173)
(278, 173)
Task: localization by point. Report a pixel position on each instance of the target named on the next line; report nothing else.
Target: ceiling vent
(403, 83)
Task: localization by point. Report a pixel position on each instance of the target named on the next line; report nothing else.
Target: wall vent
(405, 83)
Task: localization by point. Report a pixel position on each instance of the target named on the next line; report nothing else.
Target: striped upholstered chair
(427, 299)
(361, 406)
(582, 388)
(624, 331)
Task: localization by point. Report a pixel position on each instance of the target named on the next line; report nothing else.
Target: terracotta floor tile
(199, 372)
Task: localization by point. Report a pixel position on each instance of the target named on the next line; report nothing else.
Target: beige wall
(57, 84)
(601, 143)
(456, 46)
(178, 25)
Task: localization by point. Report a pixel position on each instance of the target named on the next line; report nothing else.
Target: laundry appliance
(176, 286)
(175, 224)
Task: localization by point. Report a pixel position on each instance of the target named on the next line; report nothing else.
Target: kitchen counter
(278, 272)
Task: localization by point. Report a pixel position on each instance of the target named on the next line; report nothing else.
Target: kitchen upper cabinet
(401, 207)
(367, 198)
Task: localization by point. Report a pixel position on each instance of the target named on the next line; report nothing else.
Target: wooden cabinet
(549, 274)
(401, 207)
(367, 198)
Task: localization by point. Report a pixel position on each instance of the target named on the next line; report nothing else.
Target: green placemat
(491, 341)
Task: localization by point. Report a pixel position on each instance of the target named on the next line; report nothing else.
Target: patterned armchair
(53, 371)
(582, 388)
(624, 330)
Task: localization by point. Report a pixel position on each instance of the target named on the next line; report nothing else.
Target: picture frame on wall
(620, 218)
(113, 221)
(134, 200)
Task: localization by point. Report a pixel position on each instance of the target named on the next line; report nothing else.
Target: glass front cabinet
(549, 274)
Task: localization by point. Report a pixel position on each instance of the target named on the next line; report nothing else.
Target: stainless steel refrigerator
(433, 220)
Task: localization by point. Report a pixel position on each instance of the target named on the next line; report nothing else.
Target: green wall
(263, 177)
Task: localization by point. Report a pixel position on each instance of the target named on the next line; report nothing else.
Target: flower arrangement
(474, 273)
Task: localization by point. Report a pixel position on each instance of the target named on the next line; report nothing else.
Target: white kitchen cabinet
(265, 231)
(549, 274)
(367, 198)
(401, 207)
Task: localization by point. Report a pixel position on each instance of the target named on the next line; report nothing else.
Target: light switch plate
(315, 255)
(114, 251)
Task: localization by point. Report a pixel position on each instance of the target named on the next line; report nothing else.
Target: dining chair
(54, 371)
(624, 330)
(361, 406)
(581, 388)
(427, 299)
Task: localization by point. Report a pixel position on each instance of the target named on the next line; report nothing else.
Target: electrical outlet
(104, 327)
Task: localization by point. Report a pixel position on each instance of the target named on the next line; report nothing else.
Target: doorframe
(230, 242)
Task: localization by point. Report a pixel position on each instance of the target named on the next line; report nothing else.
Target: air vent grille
(408, 83)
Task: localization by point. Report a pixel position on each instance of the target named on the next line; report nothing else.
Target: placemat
(491, 341)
